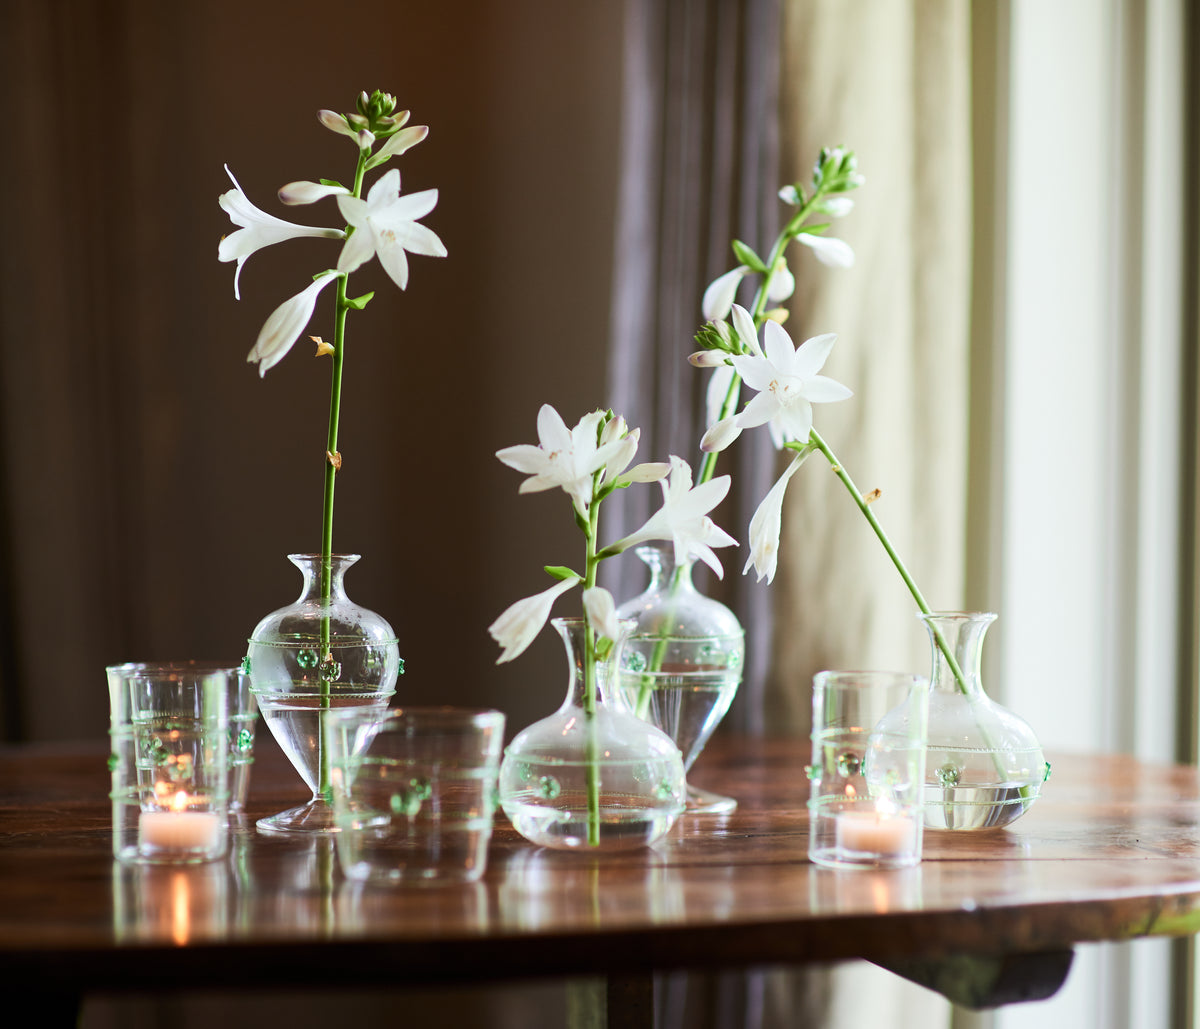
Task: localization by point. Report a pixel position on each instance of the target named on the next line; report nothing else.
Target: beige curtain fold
(892, 82)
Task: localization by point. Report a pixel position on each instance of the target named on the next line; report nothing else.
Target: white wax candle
(182, 831)
(872, 832)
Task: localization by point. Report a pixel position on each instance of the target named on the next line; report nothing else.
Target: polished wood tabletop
(1111, 851)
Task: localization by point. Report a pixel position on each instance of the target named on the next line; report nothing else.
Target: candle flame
(851, 792)
(179, 802)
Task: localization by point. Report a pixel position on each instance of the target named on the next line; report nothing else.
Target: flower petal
(520, 623)
(743, 323)
(601, 612)
(812, 354)
(285, 324)
(761, 409)
(720, 435)
(766, 525)
(830, 251)
(783, 285)
(308, 192)
(820, 389)
(718, 297)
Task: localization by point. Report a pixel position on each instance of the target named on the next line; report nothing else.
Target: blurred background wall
(152, 485)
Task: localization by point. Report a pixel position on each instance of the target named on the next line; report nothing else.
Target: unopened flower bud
(779, 315)
(706, 359)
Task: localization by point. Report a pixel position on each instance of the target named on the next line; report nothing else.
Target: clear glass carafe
(313, 655)
(591, 776)
(682, 662)
(984, 765)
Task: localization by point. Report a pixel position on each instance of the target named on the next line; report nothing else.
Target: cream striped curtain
(890, 81)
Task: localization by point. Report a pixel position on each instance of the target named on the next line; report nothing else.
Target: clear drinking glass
(414, 792)
(868, 769)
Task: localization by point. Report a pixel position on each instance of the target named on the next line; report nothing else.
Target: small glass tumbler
(868, 769)
(170, 762)
(414, 792)
(243, 718)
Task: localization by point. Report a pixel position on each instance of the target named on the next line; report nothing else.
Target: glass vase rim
(310, 556)
(958, 616)
(867, 677)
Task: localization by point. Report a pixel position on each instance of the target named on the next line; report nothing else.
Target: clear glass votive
(170, 762)
(242, 719)
(414, 792)
(868, 769)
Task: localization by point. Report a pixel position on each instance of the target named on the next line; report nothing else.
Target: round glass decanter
(984, 766)
(682, 662)
(592, 776)
(311, 656)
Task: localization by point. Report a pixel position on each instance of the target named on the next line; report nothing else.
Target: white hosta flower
(601, 612)
(707, 359)
(386, 224)
(743, 324)
(520, 623)
(788, 384)
(564, 458)
(683, 519)
(285, 324)
(766, 525)
(718, 297)
(335, 122)
(837, 207)
(308, 192)
(397, 144)
(783, 284)
(834, 252)
(257, 229)
(720, 435)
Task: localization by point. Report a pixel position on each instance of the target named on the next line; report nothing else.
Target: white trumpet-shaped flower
(683, 519)
(787, 383)
(257, 229)
(285, 324)
(829, 250)
(308, 192)
(718, 297)
(766, 525)
(520, 623)
(601, 612)
(564, 458)
(385, 224)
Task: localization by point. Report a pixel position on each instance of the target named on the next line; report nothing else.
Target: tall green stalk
(332, 462)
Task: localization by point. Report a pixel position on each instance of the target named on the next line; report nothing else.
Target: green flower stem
(331, 449)
(865, 508)
(592, 563)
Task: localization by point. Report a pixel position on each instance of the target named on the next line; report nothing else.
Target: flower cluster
(784, 376)
(589, 462)
(385, 224)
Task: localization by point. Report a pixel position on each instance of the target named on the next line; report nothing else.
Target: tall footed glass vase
(307, 658)
(682, 662)
(984, 766)
(591, 776)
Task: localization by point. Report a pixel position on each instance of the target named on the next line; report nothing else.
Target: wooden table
(1111, 851)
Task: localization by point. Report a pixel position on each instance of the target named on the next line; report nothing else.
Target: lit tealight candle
(179, 830)
(876, 832)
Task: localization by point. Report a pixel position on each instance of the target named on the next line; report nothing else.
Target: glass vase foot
(314, 817)
(703, 802)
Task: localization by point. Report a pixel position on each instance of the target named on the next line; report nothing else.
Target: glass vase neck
(574, 636)
(660, 559)
(962, 632)
(310, 567)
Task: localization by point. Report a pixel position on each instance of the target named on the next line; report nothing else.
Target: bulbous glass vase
(984, 766)
(682, 662)
(591, 776)
(313, 655)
